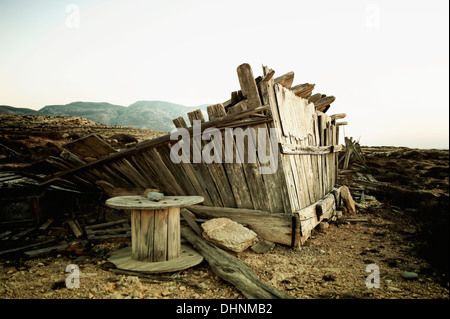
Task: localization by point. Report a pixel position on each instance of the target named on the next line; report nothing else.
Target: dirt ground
(395, 234)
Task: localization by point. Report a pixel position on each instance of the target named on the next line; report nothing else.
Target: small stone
(155, 196)
(228, 234)
(323, 225)
(409, 275)
(165, 293)
(348, 200)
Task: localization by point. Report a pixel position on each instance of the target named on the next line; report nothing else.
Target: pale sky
(386, 62)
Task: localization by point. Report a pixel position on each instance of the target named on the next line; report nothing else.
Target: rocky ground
(402, 230)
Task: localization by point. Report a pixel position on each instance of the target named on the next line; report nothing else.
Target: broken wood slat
(17, 249)
(45, 225)
(295, 149)
(323, 104)
(303, 90)
(92, 233)
(232, 270)
(23, 233)
(349, 144)
(248, 85)
(78, 233)
(4, 234)
(187, 215)
(315, 97)
(216, 111)
(38, 252)
(268, 74)
(338, 116)
(269, 226)
(89, 146)
(108, 224)
(285, 80)
(341, 123)
(72, 158)
(149, 144)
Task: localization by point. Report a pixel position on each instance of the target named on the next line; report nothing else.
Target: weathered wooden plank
(325, 207)
(160, 236)
(89, 146)
(78, 233)
(303, 90)
(295, 149)
(285, 80)
(216, 111)
(248, 85)
(173, 233)
(220, 183)
(282, 178)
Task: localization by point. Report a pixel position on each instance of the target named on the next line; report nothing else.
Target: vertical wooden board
(135, 232)
(173, 233)
(193, 171)
(147, 234)
(252, 175)
(283, 174)
(271, 181)
(292, 114)
(160, 235)
(318, 158)
(233, 171)
(216, 188)
(248, 85)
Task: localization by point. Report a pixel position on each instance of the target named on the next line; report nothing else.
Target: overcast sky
(386, 62)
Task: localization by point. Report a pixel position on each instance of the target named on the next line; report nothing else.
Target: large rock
(228, 234)
(347, 198)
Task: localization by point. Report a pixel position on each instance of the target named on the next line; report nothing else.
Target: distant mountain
(5, 109)
(156, 115)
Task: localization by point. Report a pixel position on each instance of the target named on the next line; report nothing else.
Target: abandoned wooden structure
(281, 207)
